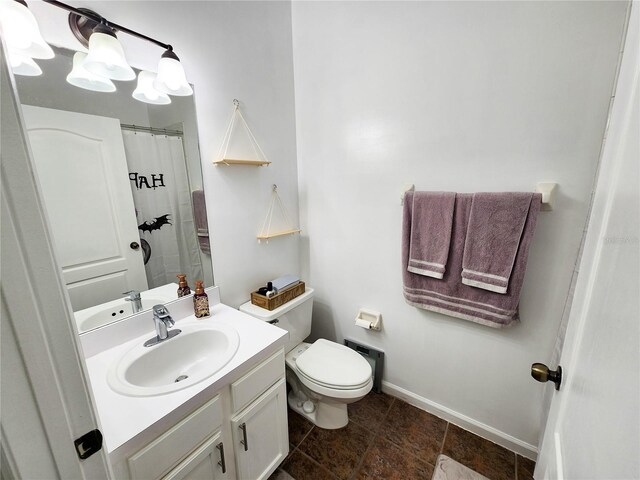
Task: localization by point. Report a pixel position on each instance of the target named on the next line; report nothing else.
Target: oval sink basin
(102, 314)
(196, 353)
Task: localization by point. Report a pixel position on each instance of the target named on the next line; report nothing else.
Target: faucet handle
(161, 311)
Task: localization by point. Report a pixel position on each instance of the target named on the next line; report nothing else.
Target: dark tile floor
(387, 439)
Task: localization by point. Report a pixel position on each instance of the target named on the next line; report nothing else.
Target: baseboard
(485, 431)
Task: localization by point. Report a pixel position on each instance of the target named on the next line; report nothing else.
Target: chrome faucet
(163, 322)
(135, 299)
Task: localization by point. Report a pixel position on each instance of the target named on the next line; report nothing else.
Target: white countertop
(123, 417)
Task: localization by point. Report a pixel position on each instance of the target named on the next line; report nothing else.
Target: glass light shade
(22, 65)
(106, 57)
(171, 78)
(21, 31)
(145, 91)
(83, 78)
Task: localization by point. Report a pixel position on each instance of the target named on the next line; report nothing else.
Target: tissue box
(271, 303)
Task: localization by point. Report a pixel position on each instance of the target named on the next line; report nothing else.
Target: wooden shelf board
(278, 234)
(231, 161)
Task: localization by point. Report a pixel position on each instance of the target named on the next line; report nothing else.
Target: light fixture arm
(100, 19)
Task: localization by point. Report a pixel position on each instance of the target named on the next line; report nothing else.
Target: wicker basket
(271, 303)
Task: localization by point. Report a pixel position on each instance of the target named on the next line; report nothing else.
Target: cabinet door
(206, 463)
(261, 439)
(178, 443)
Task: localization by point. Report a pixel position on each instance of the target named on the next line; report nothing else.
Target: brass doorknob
(541, 373)
(134, 245)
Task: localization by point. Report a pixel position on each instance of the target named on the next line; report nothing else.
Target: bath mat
(449, 469)
(280, 475)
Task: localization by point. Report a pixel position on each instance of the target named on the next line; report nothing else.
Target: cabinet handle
(244, 442)
(222, 464)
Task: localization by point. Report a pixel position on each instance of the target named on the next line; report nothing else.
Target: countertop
(123, 417)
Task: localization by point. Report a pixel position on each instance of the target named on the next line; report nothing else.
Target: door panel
(83, 174)
(593, 429)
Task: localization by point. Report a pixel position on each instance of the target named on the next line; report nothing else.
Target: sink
(199, 351)
(108, 312)
(102, 314)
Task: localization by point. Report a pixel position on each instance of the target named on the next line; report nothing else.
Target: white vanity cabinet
(259, 423)
(241, 433)
(183, 448)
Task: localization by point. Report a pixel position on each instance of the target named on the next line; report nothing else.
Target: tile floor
(387, 438)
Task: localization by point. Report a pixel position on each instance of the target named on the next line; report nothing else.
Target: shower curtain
(162, 197)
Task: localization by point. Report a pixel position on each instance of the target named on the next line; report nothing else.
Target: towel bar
(547, 189)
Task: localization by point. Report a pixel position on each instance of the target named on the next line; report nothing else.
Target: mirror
(123, 190)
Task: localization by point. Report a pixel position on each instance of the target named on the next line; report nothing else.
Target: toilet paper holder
(369, 319)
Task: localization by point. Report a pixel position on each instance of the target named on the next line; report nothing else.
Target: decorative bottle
(200, 301)
(183, 287)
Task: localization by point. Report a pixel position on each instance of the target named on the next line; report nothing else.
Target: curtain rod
(161, 131)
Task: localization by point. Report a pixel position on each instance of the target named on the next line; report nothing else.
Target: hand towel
(496, 226)
(449, 295)
(431, 221)
(200, 217)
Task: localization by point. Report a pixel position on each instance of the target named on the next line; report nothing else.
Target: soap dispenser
(183, 287)
(200, 301)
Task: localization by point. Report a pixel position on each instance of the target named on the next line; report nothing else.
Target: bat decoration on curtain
(156, 224)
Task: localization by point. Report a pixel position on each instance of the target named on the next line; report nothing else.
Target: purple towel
(431, 221)
(449, 295)
(496, 225)
(202, 224)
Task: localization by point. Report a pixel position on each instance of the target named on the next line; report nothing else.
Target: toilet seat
(333, 366)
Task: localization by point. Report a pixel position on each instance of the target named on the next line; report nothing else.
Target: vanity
(230, 425)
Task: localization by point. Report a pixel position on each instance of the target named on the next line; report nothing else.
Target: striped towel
(449, 295)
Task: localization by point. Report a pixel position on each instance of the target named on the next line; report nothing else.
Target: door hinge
(88, 444)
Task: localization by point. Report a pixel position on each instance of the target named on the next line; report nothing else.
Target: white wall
(455, 96)
(229, 50)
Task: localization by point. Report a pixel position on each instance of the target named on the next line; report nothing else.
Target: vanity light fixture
(106, 57)
(171, 78)
(146, 92)
(23, 65)
(97, 32)
(83, 78)
(21, 31)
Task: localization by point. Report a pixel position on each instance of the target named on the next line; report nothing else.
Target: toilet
(324, 376)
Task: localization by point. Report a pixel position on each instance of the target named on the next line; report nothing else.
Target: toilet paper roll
(363, 323)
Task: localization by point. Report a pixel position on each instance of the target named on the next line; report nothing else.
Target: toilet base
(327, 415)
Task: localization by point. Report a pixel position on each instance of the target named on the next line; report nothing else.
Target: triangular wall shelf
(266, 233)
(236, 117)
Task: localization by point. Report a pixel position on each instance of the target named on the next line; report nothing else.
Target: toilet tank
(293, 316)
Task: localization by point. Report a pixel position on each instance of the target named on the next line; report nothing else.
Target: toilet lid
(331, 364)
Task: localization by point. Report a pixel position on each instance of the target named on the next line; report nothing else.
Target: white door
(45, 395)
(83, 174)
(593, 429)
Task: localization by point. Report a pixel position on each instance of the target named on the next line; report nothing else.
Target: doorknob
(541, 373)
(134, 245)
